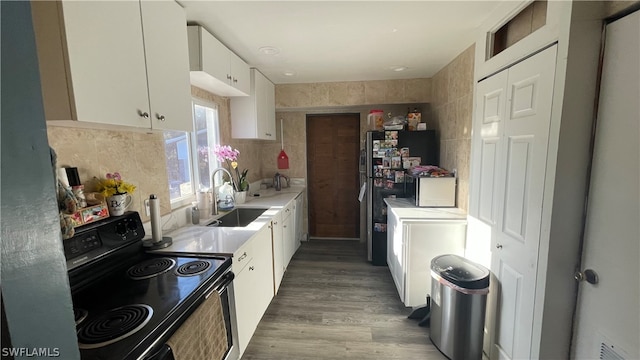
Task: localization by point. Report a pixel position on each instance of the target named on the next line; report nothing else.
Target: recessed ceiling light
(288, 73)
(269, 50)
(399, 68)
(394, 30)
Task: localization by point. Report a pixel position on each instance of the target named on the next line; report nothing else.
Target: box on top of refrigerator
(433, 191)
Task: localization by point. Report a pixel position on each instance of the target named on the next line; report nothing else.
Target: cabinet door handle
(268, 134)
(144, 115)
(242, 257)
(160, 117)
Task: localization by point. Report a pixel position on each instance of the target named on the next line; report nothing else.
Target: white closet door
(488, 129)
(520, 180)
(491, 95)
(608, 317)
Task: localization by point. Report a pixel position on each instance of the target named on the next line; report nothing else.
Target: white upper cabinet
(166, 48)
(94, 69)
(214, 67)
(254, 117)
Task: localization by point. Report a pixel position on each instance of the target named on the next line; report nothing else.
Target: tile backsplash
(134, 155)
(139, 156)
(452, 112)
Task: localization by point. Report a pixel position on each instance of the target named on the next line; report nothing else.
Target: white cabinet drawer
(242, 257)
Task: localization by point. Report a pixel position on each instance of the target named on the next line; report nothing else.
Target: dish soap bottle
(195, 214)
(225, 197)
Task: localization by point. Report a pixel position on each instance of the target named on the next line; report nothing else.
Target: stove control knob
(132, 225)
(121, 229)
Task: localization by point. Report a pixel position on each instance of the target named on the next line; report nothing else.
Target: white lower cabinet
(298, 212)
(253, 284)
(411, 245)
(259, 266)
(288, 238)
(288, 233)
(278, 251)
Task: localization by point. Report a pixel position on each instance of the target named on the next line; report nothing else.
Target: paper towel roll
(62, 177)
(156, 221)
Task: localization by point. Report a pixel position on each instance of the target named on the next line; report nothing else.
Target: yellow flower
(234, 164)
(114, 186)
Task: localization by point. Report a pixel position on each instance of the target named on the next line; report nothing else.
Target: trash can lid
(460, 271)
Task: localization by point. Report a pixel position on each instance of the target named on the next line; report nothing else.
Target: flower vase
(241, 197)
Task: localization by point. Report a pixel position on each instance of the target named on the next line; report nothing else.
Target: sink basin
(237, 218)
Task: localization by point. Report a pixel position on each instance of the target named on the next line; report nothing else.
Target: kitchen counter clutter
(415, 235)
(260, 251)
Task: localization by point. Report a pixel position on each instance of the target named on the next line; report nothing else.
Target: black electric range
(128, 302)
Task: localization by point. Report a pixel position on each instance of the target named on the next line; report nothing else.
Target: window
(206, 136)
(188, 154)
(178, 154)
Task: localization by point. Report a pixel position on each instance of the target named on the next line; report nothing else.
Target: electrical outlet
(147, 209)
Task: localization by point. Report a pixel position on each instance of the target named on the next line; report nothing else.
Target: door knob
(589, 275)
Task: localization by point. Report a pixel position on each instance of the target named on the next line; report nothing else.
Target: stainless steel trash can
(459, 289)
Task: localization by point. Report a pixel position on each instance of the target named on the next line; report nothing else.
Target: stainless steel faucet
(214, 208)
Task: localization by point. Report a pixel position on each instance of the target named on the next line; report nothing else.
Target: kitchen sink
(237, 218)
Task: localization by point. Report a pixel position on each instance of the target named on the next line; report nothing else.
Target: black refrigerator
(389, 154)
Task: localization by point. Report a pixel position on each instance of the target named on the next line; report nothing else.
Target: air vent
(610, 351)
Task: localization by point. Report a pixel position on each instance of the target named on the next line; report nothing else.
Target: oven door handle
(164, 353)
(222, 284)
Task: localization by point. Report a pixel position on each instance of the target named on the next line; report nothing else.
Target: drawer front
(242, 257)
(287, 210)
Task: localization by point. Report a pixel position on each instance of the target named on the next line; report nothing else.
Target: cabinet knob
(235, 80)
(268, 134)
(228, 77)
(160, 117)
(251, 268)
(144, 115)
(275, 223)
(499, 246)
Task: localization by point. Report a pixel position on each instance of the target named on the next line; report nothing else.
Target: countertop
(404, 209)
(204, 240)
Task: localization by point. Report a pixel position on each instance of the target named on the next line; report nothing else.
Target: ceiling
(326, 41)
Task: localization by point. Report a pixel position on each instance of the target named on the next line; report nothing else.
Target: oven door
(225, 289)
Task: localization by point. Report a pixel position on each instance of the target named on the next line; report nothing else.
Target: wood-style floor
(333, 304)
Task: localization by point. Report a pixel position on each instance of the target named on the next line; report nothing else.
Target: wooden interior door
(333, 146)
